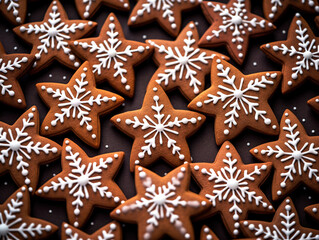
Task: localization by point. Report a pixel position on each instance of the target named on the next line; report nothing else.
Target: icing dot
(314, 210)
(226, 132)
(199, 104)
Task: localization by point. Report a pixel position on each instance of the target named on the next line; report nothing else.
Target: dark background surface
(202, 144)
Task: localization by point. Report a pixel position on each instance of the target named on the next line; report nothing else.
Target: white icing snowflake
(159, 126)
(78, 105)
(88, 5)
(81, 179)
(238, 98)
(109, 56)
(301, 157)
(6, 67)
(17, 145)
(180, 65)
(307, 53)
(286, 229)
(12, 5)
(235, 19)
(13, 225)
(232, 184)
(53, 34)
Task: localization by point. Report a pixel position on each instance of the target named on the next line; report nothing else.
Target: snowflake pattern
(82, 180)
(299, 157)
(285, 226)
(53, 35)
(19, 146)
(110, 52)
(234, 184)
(12, 9)
(14, 225)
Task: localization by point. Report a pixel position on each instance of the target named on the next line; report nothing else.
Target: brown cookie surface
(14, 10)
(112, 57)
(313, 211)
(84, 182)
(77, 106)
(299, 54)
(232, 187)
(50, 37)
(162, 205)
(232, 25)
(182, 64)
(238, 101)
(159, 130)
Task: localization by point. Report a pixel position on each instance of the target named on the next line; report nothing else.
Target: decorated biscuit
(232, 25)
(273, 9)
(87, 8)
(232, 187)
(299, 54)
(162, 205)
(182, 64)
(294, 156)
(159, 131)
(284, 226)
(84, 182)
(166, 13)
(312, 210)
(14, 10)
(15, 220)
(111, 231)
(207, 234)
(13, 66)
(22, 149)
(50, 37)
(76, 106)
(112, 57)
(238, 101)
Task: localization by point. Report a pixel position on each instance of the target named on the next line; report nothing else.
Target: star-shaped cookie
(232, 25)
(159, 131)
(50, 37)
(232, 187)
(314, 103)
(294, 156)
(285, 225)
(84, 182)
(16, 223)
(11, 67)
(238, 101)
(182, 64)
(162, 205)
(312, 210)
(166, 13)
(112, 57)
(87, 8)
(14, 10)
(207, 234)
(22, 149)
(111, 231)
(299, 54)
(273, 9)
(76, 106)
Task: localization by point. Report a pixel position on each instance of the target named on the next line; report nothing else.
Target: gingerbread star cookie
(50, 37)
(14, 10)
(15, 222)
(76, 106)
(11, 67)
(111, 231)
(232, 187)
(87, 8)
(314, 103)
(232, 25)
(112, 57)
(238, 101)
(284, 226)
(299, 54)
(182, 64)
(207, 234)
(273, 9)
(159, 131)
(22, 149)
(294, 156)
(84, 182)
(312, 210)
(166, 13)
(162, 205)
